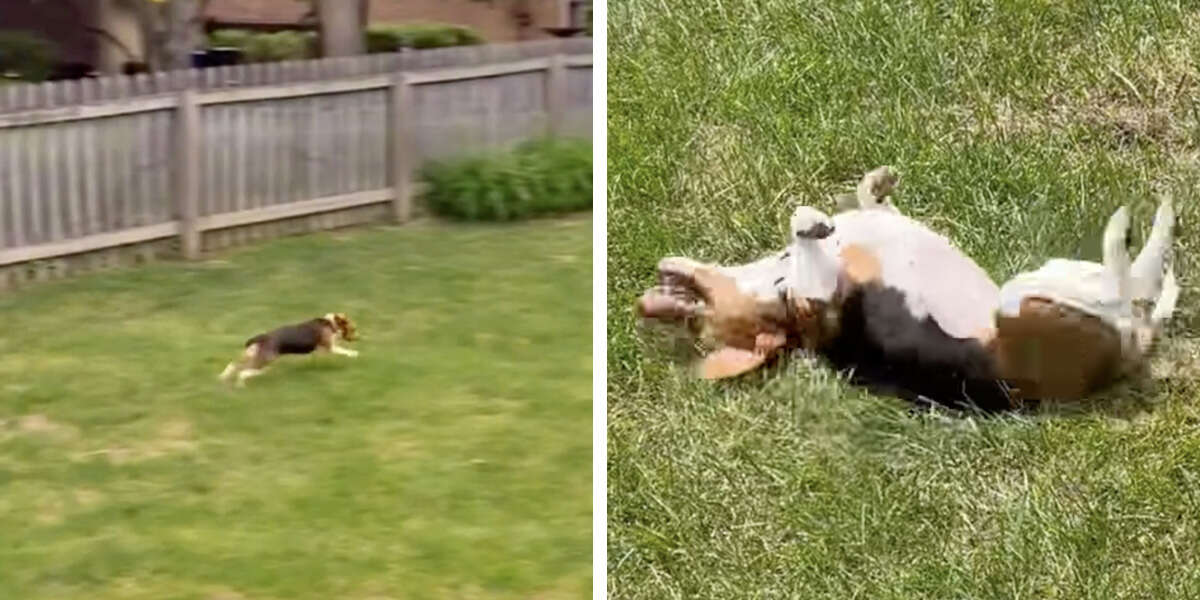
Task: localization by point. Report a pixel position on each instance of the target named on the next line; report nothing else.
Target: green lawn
(451, 459)
(1019, 126)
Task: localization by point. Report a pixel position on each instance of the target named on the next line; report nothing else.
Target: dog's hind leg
(249, 358)
(230, 370)
(247, 374)
(874, 188)
(1150, 267)
(1116, 259)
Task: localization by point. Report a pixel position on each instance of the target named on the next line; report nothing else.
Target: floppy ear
(730, 362)
(340, 323)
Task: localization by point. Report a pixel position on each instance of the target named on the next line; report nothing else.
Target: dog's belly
(936, 277)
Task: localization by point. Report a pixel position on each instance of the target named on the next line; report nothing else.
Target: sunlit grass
(1018, 126)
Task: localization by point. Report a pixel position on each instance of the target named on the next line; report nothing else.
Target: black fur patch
(301, 338)
(891, 352)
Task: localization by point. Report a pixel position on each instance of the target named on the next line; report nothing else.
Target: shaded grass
(450, 459)
(1019, 127)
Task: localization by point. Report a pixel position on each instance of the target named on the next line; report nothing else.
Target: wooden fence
(101, 172)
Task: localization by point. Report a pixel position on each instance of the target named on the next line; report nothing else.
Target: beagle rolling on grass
(907, 313)
(320, 334)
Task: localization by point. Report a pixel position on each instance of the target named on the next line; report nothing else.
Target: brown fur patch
(1053, 352)
(859, 265)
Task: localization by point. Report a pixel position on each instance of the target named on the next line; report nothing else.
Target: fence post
(556, 94)
(187, 171)
(401, 161)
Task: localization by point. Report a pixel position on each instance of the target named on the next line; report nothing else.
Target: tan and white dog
(320, 334)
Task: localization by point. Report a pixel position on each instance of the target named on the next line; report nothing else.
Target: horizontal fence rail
(200, 159)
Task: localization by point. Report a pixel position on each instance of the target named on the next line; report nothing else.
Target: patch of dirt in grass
(49, 511)
(225, 595)
(1124, 122)
(40, 425)
(87, 498)
(175, 436)
(1143, 99)
(565, 588)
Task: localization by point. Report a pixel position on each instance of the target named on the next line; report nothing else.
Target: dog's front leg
(230, 369)
(336, 349)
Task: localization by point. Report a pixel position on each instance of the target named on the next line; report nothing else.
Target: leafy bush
(266, 47)
(26, 56)
(390, 38)
(536, 178)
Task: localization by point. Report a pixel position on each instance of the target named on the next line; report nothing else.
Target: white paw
(1118, 223)
(810, 223)
(875, 186)
(1165, 215)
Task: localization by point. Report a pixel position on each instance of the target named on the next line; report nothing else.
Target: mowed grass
(451, 459)
(1019, 126)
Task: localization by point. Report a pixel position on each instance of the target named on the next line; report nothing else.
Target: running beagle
(320, 334)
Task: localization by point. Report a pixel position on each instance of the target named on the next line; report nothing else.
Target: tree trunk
(171, 31)
(183, 25)
(341, 27)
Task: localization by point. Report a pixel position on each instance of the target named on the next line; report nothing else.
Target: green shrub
(542, 177)
(266, 47)
(26, 56)
(228, 38)
(390, 38)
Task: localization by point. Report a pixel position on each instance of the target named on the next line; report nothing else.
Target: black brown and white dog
(315, 335)
(902, 309)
